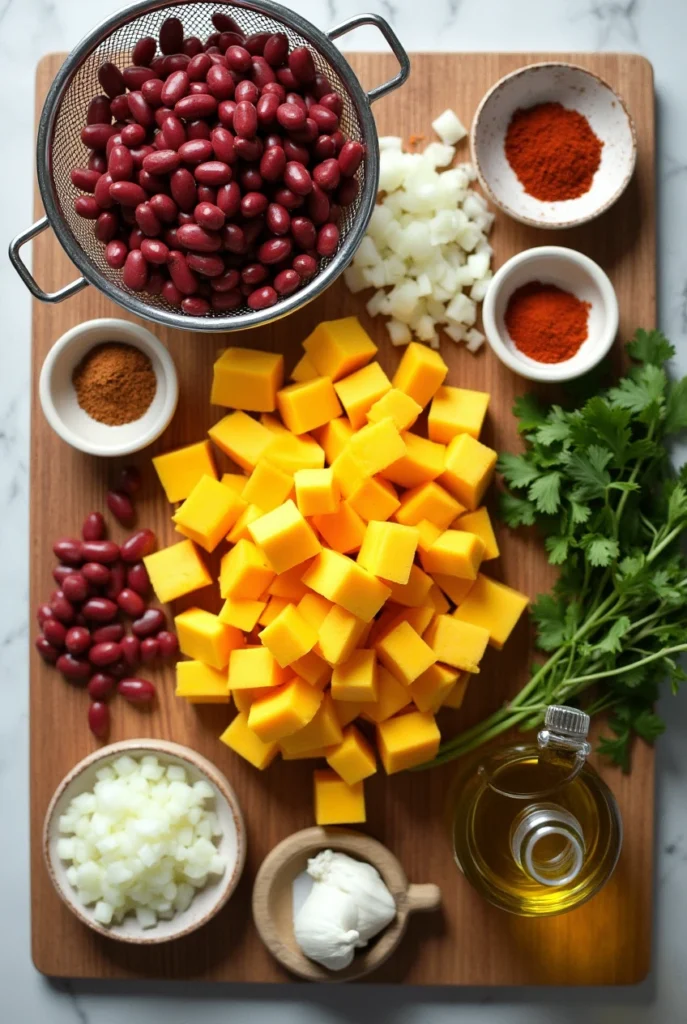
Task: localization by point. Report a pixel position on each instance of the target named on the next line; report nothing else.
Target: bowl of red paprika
(550, 314)
(553, 144)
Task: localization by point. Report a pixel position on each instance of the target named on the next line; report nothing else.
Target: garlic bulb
(363, 883)
(325, 927)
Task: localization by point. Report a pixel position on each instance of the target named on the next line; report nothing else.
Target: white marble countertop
(30, 28)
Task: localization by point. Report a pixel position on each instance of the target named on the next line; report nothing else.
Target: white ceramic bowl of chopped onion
(144, 841)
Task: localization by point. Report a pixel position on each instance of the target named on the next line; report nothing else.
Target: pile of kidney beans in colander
(222, 178)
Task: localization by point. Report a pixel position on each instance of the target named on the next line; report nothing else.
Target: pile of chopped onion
(426, 242)
(142, 841)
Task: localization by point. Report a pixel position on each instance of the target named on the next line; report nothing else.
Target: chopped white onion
(449, 128)
(143, 841)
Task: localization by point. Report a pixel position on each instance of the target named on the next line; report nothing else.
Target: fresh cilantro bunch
(597, 483)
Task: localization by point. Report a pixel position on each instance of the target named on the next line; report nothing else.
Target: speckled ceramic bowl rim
(504, 83)
(152, 746)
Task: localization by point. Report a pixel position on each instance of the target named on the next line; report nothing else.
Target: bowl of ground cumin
(108, 387)
(553, 145)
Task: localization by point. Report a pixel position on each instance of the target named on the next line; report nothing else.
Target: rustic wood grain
(607, 941)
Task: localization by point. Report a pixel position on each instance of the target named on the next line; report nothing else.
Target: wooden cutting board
(469, 943)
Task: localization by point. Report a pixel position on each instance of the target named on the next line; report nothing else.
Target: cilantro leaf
(611, 643)
(528, 410)
(557, 548)
(552, 627)
(517, 511)
(600, 550)
(648, 725)
(676, 407)
(588, 470)
(603, 424)
(517, 470)
(580, 513)
(545, 492)
(556, 427)
(650, 347)
(641, 391)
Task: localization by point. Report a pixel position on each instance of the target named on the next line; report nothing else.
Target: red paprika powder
(553, 151)
(545, 322)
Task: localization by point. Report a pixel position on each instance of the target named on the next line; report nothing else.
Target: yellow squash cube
(244, 698)
(407, 740)
(430, 690)
(204, 637)
(255, 668)
(289, 636)
(179, 471)
(428, 501)
(419, 618)
(338, 347)
(176, 571)
(347, 710)
(334, 436)
(289, 584)
(493, 606)
(392, 697)
(404, 653)
(413, 593)
(268, 486)
(356, 678)
(438, 601)
(388, 550)
(347, 473)
(423, 461)
(317, 492)
(304, 369)
(244, 573)
(322, 731)
(456, 411)
(245, 378)
(460, 644)
(454, 587)
(353, 758)
(284, 710)
(344, 582)
(208, 513)
(455, 553)
(429, 533)
(314, 608)
(308, 405)
(359, 392)
(273, 607)
(236, 482)
(242, 438)
(242, 613)
(292, 453)
(239, 530)
(284, 537)
(420, 373)
(342, 530)
(339, 634)
(313, 669)
(479, 523)
(376, 446)
(244, 742)
(456, 695)
(469, 468)
(402, 409)
(201, 684)
(374, 498)
(337, 803)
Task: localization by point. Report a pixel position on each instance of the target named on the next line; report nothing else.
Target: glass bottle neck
(548, 844)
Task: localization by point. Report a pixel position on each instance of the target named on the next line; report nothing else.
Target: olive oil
(536, 830)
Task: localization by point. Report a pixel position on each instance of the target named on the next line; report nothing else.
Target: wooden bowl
(232, 845)
(273, 900)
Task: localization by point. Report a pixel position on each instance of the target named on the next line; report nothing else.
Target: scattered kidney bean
(46, 650)
(100, 686)
(136, 691)
(155, 251)
(286, 282)
(69, 550)
(139, 544)
(131, 603)
(43, 613)
(54, 632)
(327, 240)
(75, 587)
(135, 273)
(116, 583)
(95, 573)
(262, 298)
(305, 266)
(62, 608)
(77, 640)
(150, 650)
(116, 253)
(99, 609)
(93, 527)
(112, 632)
(60, 573)
(152, 621)
(131, 650)
(104, 654)
(120, 505)
(167, 643)
(137, 579)
(75, 669)
(99, 719)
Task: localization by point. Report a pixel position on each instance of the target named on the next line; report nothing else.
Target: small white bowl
(571, 271)
(232, 844)
(68, 419)
(576, 89)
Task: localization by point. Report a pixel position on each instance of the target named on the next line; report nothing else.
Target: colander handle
(25, 274)
(393, 41)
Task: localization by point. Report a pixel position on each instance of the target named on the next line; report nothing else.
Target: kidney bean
(114, 140)
(69, 550)
(176, 86)
(171, 35)
(254, 274)
(290, 115)
(297, 178)
(302, 65)
(347, 192)
(99, 110)
(99, 719)
(286, 282)
(137, 579)
(327, 240)
(323, 148)
(247, 92)
(130, 480)
(164, 161)
(99, 609)
(112, 633)
(150, 650)
(229, 199)
(135, 238)
(151, 91)
(104, 551)
(193, 236)
(60, 573)
(183, 186)
(46, 650)
(144, 51)
(338, 139)
(95, 136)
(253, 204)
(198, 67)
(238, 58)
(195, 305)
(131, 603)
(266, 109)
(278, 219)
(97, 162)
(168, 645)
(255, 43)
(183, 278)
(276, 49)
(151, 183)
(84, 178)
(220, 82)
(75, 587)
(130, 648)
(171, 294)
(136, 691)
(192, 46)
(327, 174)
(95, 573)
(208, 266)
(139, 544)
(139, 153)
(305, 266)
(213, 172)
(149, 224)
(133, 135)
(223, 302)
(227, 282)
(207, 194)
(54, 632)
(325, 118)
(135, 271)
(77, 640)
(195, 106)
(104, 654)
(43, 613)
(272, 163)
(100, 686)
(62, 608)
(307, 134)
(111, 80)
(121, 507)
(93, 527)
(140, 109)
(262, 298)
(116, 582)
(127, 193)
(286, 77)
(101, 192)
(225, 113)
(134, 76)
(173, 132)
(152, 621)
(332, 101)
(174, 62)
(222, 142)
(156, 279)
(75, 669)
(87, 207)
(115, 254)
(304, 232)
(245, 120)
(292, 151)
(249, 150)
(154, 251)
(285, 197)
(275, 250)
(164, 207)
(251, 180)
(198, 130)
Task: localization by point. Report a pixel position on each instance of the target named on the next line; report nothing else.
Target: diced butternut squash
(308, 405)
(428, 501)
(317, 492)
(205, 637)
(456, 643)
(353, 758)
(356, 679)
(292, 453)
(314, 608)
(246, 378)
(454, 587)
(455, 553)
(423, 461)
(337, 803)
(347, 711)
(431, 689)
(284, 710)
(201, 684)
(388, 550)
(342, 530)
(334, 436)
(244, 742)
(242, 613)
(347, 473)
(413, 593)
(344, 582)
(339, 347)
(268, 486)
(360, 390)
(255, 668)
(439, 603)
(339, 634)
(494, 607)
(420, 373)
(479, 523)
(402, 409)
(428, 534)
(239, 530)
(392, 696)
(242, 438)
(456, 695)
(289, 584)
(208, 513)
(273, 607)
(284, 537)
(236, 482)
(244, 573)
(374, 498)
(456, 411)
(469, 467)
(376, 446)
(313, 669)
(407, 740)
(323, 731)
(179, 471)
(304, 370)
(404, 653)
(176, 571)
(289, 636)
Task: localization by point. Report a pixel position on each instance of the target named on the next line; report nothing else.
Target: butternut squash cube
(268, 486)
(456, 411)
(284, 710)
(374, 498)
(429, 533)
(176, 571)
(376, 446)
(242, 438)
(208, 513)
(334, 436)
(244, 742)
(404, 653)
(468, 470)
(420, 373)
(356, 679)
(392, 696)
(339, 634)
(419, 618)
(322, 731)
(201, 684)
(338, 347)
(243, 614)
(494, 607)
(454, 587)
(344, 582)
(292, 453)
(246, 378)
(342, 530)
(317, 492)
(456, 695)
(428, 501)
(304, 370)
(244, 573)
(204, 637)
(347, 473)
(284, 537)
(455, 553)
(308, 405)
(255, 668)
(360, 390)
(239, 530)
(353, 758)
(289, 584)
(314, 608)
(402, 409)
(347, 710)
(304, 755)
(244, 698)
(234, 481)
(388, 550)
(289, 636)
(407, 740)
(461, 647)
(179, 471)
(413, 593)
(430, 690)
(423, 461)
(273, 607)
(479, 523)
(313, 669)
(337, 803)
(439, 603)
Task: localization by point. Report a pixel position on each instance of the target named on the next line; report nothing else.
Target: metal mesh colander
(59, 147)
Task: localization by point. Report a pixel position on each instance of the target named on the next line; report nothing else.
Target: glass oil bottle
(536, 830)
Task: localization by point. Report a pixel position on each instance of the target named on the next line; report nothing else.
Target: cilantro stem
(656, 656)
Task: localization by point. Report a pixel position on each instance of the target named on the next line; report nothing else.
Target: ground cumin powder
(114, 383)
